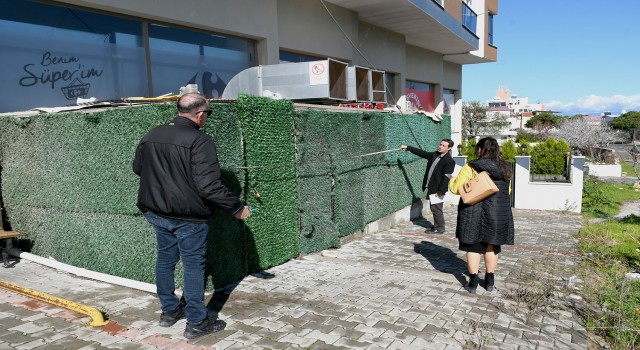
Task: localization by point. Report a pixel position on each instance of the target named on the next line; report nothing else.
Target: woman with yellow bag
(484, 227)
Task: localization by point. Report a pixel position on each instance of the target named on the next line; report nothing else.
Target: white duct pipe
(98, 276)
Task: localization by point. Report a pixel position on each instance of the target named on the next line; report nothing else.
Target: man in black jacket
(179, 183)
(435, 179)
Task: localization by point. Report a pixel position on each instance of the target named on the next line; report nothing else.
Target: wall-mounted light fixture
(523, 149)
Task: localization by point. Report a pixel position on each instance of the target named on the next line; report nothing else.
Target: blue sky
(573, 56)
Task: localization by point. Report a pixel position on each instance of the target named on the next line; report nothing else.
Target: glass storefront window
(180, 57)
(52, 55)
(420, 96)
(449, 101)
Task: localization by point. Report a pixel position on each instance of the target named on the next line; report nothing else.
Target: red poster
(420, 99)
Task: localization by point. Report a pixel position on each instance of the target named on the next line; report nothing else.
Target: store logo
(52, 71)
(209, 88)
(76, 89)
(413, 101)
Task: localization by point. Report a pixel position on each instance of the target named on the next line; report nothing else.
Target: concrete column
(460, 162)
(577, 180)
(521, 175)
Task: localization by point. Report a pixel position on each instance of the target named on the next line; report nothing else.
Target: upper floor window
(469, 18)
(490, 34)
(439, 2)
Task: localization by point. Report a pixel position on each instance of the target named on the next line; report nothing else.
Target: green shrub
(593, 198)
(469, 149)
(550, 157)
(509, 151)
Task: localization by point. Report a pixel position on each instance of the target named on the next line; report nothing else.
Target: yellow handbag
(478, 188)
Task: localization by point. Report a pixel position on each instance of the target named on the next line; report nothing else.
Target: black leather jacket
(180, 174)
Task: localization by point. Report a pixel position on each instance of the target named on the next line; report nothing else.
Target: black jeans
(438, 216)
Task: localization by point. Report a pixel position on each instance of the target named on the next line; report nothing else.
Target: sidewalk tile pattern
(396, 289)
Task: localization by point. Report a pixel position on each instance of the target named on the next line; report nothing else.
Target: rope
(317, 162)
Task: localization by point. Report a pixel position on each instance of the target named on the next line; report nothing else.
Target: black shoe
(205, 327)
(488, 281)
(169, 319)
(435, 231)
(472, 285)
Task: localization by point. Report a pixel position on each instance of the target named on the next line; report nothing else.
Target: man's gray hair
(192, 103)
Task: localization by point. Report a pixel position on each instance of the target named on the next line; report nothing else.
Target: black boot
(472, 284)
(488, 281)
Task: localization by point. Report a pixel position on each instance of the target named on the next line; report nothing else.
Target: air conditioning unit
(308, 81)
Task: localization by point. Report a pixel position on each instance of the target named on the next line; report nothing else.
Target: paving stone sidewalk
(395, 289)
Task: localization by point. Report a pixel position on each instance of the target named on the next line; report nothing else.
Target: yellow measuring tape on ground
(97, 319)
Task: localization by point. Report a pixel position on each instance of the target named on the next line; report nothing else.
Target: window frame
(490, 29)
(110, 25)
(469, 18)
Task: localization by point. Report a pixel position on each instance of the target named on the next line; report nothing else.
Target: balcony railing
(469, 18)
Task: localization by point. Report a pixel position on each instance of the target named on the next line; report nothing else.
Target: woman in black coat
(484, 227)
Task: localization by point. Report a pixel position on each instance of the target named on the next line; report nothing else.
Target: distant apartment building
(56, 51)
(594, 120)
(516, 110)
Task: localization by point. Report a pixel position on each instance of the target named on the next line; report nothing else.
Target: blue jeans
(186, 240)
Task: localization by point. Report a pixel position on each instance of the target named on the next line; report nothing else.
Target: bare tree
(581, 135)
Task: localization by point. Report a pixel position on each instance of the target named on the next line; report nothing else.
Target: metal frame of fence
(565, 177)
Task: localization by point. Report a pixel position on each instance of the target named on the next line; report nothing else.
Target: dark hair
(488, 148)
(449, 141)
(191, 103)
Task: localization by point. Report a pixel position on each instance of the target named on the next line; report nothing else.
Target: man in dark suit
(435, 179)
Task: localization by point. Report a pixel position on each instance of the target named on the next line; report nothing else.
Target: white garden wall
(548, 195)
(604, 170)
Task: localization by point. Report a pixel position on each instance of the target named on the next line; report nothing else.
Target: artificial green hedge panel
(341, 187)
(67, 184)
(397, 176)
(318, 229)
(76, 169)
(267, 128)
(76, 162)
(346, 162)
(227, 248)
(120, 245)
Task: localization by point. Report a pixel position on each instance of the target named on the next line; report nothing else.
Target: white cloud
(595, 105)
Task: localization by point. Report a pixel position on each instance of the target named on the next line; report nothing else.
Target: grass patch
(611, 249)
(602, 200)
(628, 169)
(616, 242)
